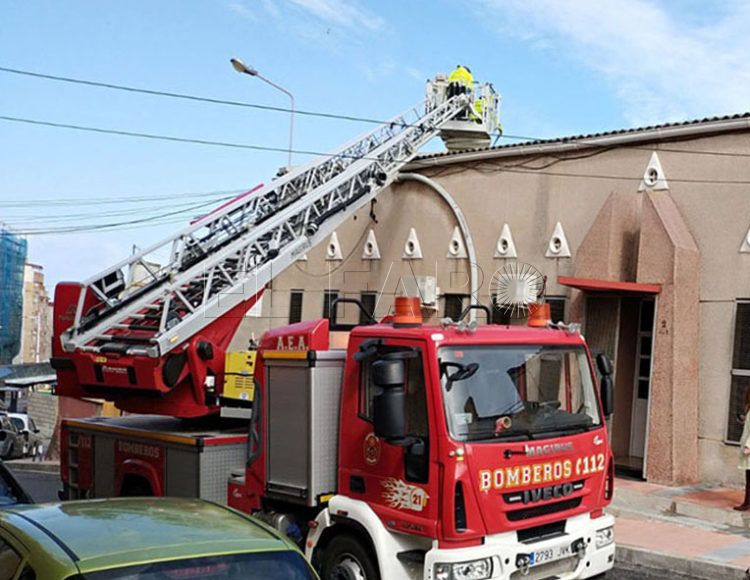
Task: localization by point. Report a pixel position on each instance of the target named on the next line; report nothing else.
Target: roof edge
(568, 144)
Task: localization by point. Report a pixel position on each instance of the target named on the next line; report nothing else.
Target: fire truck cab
(453, 451)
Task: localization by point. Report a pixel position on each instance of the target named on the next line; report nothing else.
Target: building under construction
(12, 259)
(643, 237)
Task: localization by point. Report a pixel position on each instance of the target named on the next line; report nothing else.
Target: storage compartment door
(288, 421)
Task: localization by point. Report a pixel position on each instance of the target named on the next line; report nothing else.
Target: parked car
(11, 441)
(143, 539)
(32, 443)
(11, 492)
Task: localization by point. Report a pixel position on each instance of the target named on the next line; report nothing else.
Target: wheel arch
(343, 526)
(345, 514)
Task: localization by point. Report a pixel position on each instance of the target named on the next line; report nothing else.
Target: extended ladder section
(227, 257)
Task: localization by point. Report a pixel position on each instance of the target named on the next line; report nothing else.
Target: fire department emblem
(400, 495)
(372, 449)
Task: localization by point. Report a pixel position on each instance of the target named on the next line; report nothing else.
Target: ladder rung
(134, 327)
(115, 338)
(142, 316)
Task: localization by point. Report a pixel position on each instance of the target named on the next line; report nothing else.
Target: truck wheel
(346, 559)
(135, 486)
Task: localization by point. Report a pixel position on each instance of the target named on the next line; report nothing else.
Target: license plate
(549, 555)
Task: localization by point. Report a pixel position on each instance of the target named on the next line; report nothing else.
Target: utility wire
(157, 137)
(94, 200)
(583, 141)
(425, 162)
(96, 227)
(188, 97)
(13, 219)
(169, 94)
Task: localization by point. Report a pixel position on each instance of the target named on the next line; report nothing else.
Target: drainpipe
(462, 225)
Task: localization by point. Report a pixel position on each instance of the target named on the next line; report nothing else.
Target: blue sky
(568, 67)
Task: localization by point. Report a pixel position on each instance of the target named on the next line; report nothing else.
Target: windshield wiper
(562, 430)
(507, 435)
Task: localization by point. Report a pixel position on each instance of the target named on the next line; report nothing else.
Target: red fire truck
(387, 450)
(396, 450)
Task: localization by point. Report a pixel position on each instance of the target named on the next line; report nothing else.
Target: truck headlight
(605, 537)
(471, 570)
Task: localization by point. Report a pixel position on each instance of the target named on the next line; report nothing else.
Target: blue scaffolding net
(12, 260)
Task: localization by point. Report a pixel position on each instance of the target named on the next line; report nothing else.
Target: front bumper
(508, 554)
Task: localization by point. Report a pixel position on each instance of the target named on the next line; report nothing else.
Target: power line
(215, 101)
(93, 200)
(187, 97)
(493, 167)
(317, 153)
(13, 220)
(156, 137)
(98, 227)
(583, 141)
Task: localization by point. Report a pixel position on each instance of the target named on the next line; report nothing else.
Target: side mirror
(389, 404)
(608, 395)
(36, 430)
(3, 435)
(604, 364)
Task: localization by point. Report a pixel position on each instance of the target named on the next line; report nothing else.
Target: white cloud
(661, 65)
(242, 10)
(272, 9)
(342, 13)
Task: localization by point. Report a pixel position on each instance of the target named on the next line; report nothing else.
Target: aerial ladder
(150, 332)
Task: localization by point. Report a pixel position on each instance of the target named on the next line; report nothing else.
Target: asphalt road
(43, 487)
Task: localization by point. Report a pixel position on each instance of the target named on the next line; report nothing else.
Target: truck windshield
(520, 392)
(279, 565)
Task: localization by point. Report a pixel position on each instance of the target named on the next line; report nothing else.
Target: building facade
(643, 237)
(36, 329)
(12, 259)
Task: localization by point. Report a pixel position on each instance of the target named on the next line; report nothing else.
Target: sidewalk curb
(705, 569)
(41, 466)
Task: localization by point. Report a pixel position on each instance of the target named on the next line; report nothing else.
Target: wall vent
(333, 249)
(456, 247)
(505, 247)
(654, 178)
(558, 246)
(412, 249)
(371, 251)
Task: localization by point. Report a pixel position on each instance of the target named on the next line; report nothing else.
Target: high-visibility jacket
(462, 76)
(478, 107)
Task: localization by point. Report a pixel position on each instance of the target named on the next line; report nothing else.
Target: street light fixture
(241, 67)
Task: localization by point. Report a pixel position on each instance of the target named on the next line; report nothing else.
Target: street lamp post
(241, 67)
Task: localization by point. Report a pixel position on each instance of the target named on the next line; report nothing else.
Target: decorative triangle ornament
(654, 178)
(412, 249)
(456, 247)
(505, 247)
(371, 251)
(333, 250)
(558, 246)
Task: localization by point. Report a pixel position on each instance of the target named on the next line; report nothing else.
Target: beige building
(643, 237)
(36, 329)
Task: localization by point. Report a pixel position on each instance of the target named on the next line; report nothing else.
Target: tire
(135, 486)
(346, 558)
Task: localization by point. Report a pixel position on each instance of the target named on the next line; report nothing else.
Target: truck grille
(543, 510)
(542, 532)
